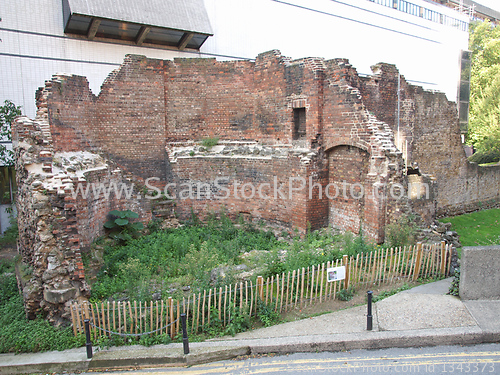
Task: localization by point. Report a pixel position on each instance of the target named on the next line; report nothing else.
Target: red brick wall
(126, 121)
(272, 199)
(430, 133)
(148, 103)
(347, 175)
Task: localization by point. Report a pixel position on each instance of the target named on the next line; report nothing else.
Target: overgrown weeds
(18, 334)
(401, 233)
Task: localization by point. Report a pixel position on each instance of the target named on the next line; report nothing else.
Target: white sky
(493, 4)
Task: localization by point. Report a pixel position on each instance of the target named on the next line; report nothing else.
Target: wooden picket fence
(282, 293)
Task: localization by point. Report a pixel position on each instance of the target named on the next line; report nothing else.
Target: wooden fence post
(260, 287)
(418, 261)
(345, 260)
(443, 258)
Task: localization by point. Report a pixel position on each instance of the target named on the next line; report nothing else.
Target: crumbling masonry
(288, 128)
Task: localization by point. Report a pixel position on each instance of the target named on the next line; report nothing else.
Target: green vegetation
(121, 228)
(8, 112)
(19, 334)
(346, 294)
(478, 228)
(9, 237)
(208, 143)
(203, 256)
(455, 284)
(484, 128)
(388, 293)
(401, 233)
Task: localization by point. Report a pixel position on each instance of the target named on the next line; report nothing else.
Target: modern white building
(91, 37)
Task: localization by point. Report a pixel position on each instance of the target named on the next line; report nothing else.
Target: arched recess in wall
(347, 170)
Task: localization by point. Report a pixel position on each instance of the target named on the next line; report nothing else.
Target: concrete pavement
(422, 316)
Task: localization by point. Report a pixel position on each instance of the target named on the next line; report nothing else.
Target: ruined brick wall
(292, 128)
(58, 217)
(257, 186)
(429, 137)
(148, 105)
(126, 120)
(268, 94)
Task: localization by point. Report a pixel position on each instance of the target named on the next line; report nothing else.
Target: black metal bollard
(88, 344)
(369, 317)
(185, 341)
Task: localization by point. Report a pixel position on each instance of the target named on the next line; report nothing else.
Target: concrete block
(479, 273)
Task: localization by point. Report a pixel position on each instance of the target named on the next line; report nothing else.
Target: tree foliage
(484, 124)
(8, 112)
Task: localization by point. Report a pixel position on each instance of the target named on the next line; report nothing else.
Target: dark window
(299, 123)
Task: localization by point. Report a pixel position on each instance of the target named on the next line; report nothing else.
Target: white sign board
(335, 273)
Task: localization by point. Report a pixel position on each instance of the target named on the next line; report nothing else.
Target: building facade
(91, 38)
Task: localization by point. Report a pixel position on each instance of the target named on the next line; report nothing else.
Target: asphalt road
(478, 359)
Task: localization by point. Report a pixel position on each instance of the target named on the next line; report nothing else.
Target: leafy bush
(239, 321)
(121, 227)
(266, 313)
(8, 112)
(346, 294)
(401, 233)
(487, 155)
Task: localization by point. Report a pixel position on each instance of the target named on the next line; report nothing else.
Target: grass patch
(480, 228)
(209, 142)
(388, 293)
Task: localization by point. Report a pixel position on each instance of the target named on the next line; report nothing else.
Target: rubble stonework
(54, 224)
(290, 128)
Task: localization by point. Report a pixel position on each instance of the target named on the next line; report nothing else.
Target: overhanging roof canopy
(178, 23)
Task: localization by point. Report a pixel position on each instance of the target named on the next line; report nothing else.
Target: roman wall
(300, 143)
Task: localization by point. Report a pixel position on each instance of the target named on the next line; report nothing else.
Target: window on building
(299, 123)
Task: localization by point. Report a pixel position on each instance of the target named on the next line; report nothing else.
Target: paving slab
(486, 314)
(409, 311)
(441, 287)
(343, 321)
(53, 361)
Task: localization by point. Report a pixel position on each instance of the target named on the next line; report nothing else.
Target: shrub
(209, 142)
(486, 156)
(401, 233)
(266, 313)
(346, 294)
(121, 227)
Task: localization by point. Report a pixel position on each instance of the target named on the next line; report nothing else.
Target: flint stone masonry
(301, 143)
